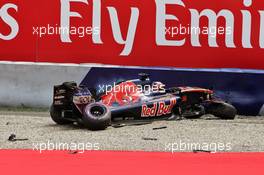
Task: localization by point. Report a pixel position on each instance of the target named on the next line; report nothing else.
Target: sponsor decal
(82, 99)
(149, 111)
(226, 34)
(162, 30)
(158, 109)
(9, 20)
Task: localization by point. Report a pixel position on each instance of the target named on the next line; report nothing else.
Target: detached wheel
(56, 116)
(96, 116)
(222, 110)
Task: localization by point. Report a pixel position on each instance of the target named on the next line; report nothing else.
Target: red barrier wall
(146, 50)
(107, 162)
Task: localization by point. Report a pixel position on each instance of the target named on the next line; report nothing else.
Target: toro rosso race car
(139, 99)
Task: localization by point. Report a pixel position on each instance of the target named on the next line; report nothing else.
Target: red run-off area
(244, 47)
(107, 162)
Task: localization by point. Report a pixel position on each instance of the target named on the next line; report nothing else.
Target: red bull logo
(158, 109)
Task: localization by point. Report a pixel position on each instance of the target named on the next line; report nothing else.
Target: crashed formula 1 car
(133, 100)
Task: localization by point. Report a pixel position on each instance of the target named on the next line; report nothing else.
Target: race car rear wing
(63, 94)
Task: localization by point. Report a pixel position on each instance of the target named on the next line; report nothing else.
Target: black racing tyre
(96, 116)
(56, 116)
(222, 110)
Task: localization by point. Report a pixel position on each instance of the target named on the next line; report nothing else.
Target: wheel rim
(97, 111)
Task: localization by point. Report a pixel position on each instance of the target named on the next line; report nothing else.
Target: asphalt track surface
(244, 134)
